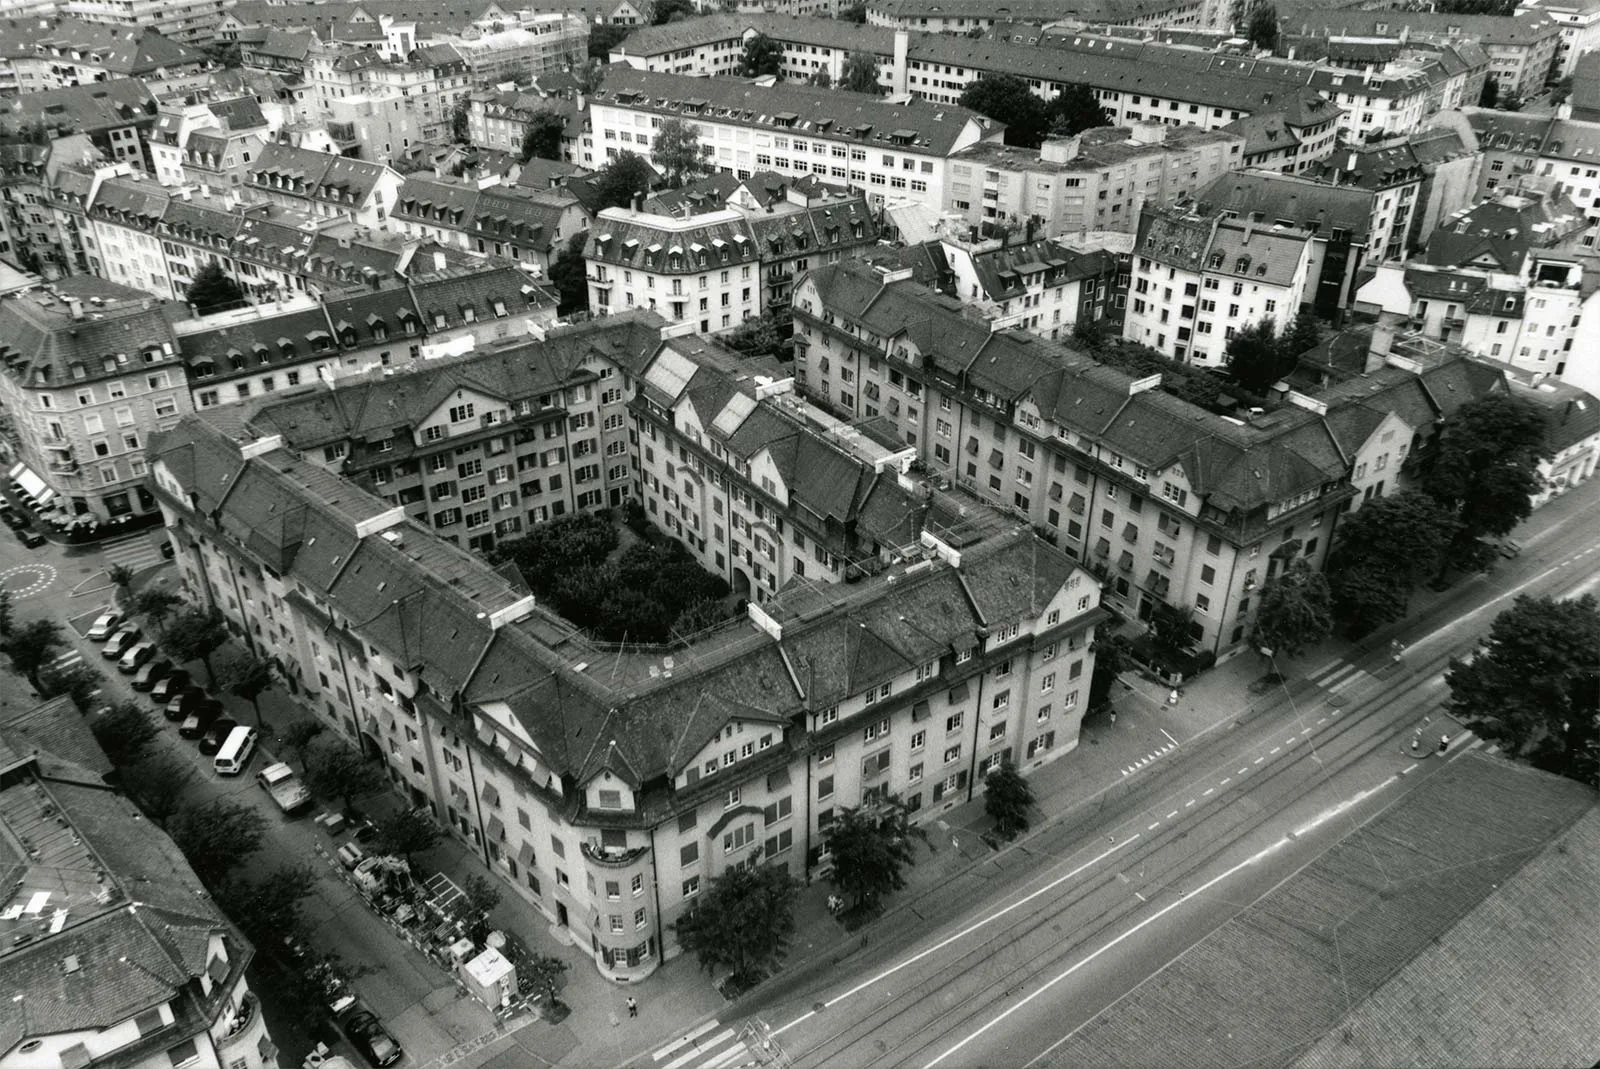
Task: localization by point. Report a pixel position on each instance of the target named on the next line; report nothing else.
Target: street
(1052, 933)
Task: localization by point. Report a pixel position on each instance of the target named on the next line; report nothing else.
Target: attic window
(499, 307)
(1242, 265)
(1216, 260)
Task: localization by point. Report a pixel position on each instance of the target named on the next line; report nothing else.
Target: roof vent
(69, 964)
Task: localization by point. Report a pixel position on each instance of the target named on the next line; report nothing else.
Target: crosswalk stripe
(727, 1056)
(672, 1048)
(699, 1048)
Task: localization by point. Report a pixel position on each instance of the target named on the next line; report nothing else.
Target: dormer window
(1242, 266)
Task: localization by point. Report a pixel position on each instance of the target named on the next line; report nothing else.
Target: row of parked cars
(19, 525)
(183, 701)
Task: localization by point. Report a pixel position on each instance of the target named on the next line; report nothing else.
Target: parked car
(135, 658)
(351, 854)
(120, 642)
(216, 735)
(104, 625)
(361, 1026)
(168, 685)
(29, 537)
(201, 718)
(167, 550)
(183, 703)
(12, 518)
(152, 673)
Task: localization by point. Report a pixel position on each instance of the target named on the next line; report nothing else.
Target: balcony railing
(613, 858)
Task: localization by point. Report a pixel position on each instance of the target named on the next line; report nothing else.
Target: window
(825, 787)
(691, 887)
(952, 723)
(1048, 683)
(953, 753)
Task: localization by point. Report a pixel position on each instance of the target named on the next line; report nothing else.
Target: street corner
(28, 580)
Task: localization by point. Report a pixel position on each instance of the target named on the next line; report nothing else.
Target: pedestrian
(1172, 696)
(633, 1007)
(1444, 743)
(1113, 716)
(1416, 745)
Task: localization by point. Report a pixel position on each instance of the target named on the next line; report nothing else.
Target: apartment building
(1506, 280)
(88, 373)
(1579, 21)
(532, 431)
(966, 16)
(116, 114)
(324, 185)
(499, 119)
(863, 141)
(441, 309)
(1199, 279)
(910, 685)
(190, 21)
(1346, 223)
(1522, 48)
(1536, 150)
(1093, 458)
(1097, 180)
(421, 85)
(1416, 183)
(56, 53)
(526, 225)
(1016, 282)
(540, 43)
(149, 971)
(208, 142)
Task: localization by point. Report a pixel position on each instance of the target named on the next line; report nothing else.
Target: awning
(959, 692)
(1125, 562)
(497, 828)
(31, 484)
(779, 779)
(490, 795)
(525, 855)
(919, 711)
(997, 459)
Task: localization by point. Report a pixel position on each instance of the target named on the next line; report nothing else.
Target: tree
(1254, 356)
(407, 832)
(820, 79)
(336, 770)
(1112, 657)
(762, 57)
(213, 291)
(1171, 629)
(7, 616)
(1533, 685)
(217, 837)
(542, 974)
(671, 11)
(550, 550)
(157, 782)
(541, 138)
(1008, 99)
(618, 182)
(298, 736)
(860, 74)
(156, 605)
(761, 336)
(677, 153)
(1295, 610)
(78, 682)
(592, 75)
(32, 646)
(461, 122)
(870, 851)
(244, 675)
(121, 577)
(479, 896)
(1007, 796)
(1490, 94)
(1262, 29)
(604, 37)
(1484, 467)
(125, 732)
(194, 635)
(268, 909)
(1074, 110)
(1302, 336)
(855, 12)
(569, 276)
(1384, 551)
(743, 922)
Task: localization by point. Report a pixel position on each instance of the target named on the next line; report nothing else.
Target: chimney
(439, 261)
(1246, 239)
(75, 306)
(637, 203)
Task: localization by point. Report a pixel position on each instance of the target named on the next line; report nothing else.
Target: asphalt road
(1054, 932)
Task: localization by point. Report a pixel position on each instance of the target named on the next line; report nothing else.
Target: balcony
(613, 858)
(245, 1014)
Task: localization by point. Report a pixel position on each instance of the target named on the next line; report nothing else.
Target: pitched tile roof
(107, 105)
(1308, 205)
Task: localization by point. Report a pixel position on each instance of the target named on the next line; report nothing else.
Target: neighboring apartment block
(114, 952)
(1535, 150)
(909, 685)
(868, 143)
(324, 185)
(1199, 279)
(1164, 501)
(526, 225)
(1579, 21)
(1098, 180)
(88, 373)
(191, 21)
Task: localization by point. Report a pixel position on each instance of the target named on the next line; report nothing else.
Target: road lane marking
(1305, 731)
(1169, 737)
(968, 930)
(1275, 749)
(1154, 826)
(1208, 790)
(1226, 780)
(1243, 770)
(1322, 720)
(1067, 972)
(1172, 814)
(1189, 803)
(1261, 759)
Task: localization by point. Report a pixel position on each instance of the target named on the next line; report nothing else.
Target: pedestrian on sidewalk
(633, 1007)
(1444, 743)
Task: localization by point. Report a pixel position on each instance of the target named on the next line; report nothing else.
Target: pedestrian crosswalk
(136, 553)
(1341, 679)
(709, 1046)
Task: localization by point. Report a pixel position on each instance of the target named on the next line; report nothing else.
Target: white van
(230, 760)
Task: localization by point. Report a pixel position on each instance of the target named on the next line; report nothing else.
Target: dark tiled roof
(107, 105)
(1303, 203)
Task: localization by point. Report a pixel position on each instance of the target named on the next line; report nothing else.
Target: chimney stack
(75, 306)
(439, 261)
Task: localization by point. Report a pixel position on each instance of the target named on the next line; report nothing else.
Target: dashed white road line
(1275, 749)
(1172, 814)
(1243, 770)
(1227, 780)
(1208, 790)
(1188, 804)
